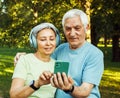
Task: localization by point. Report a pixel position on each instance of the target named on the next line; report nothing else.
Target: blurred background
(17, 17)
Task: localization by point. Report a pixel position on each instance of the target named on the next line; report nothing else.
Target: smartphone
(61, 66)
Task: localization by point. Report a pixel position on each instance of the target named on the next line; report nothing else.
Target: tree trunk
(105, 41)
(93, 36)
(116, 48)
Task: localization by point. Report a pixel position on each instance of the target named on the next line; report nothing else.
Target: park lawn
(109, 86)
(110, 83)
(6, 69)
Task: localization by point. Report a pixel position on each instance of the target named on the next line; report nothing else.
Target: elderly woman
(31, 77)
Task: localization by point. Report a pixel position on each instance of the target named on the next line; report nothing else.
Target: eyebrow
(73, 26)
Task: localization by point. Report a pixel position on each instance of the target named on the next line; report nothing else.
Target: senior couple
(34, 76)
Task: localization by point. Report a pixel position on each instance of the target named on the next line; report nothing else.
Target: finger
(68, 82)
(71, 80)
(47, 74)
(16, 58)
(15, 63)
(20, 54)
(60, 80)
(55, 81)
(52, 81)
(42, 77)
(65, 78)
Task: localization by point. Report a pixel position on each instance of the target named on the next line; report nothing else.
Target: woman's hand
(44, 78)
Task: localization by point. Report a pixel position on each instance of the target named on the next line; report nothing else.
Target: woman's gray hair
(73, 13)
(38, 28)
(42, 26)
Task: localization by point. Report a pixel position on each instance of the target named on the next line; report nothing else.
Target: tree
(105, 22)
(24, 14)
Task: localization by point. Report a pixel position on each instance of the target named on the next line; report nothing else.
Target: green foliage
(22, 15)
(104, 18)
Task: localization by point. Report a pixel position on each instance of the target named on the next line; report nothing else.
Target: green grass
(6, 69)
(109, 86)
(110, 83)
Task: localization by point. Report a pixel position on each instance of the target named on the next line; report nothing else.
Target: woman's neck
(44, 58)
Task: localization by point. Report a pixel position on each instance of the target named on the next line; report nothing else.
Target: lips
(48, 49)
(73, 39)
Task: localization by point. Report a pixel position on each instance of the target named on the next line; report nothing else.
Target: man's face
(74, 32)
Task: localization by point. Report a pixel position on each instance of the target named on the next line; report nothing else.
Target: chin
(74, 45)
(49, 53)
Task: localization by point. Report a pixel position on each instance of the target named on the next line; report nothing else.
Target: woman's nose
(48, 42)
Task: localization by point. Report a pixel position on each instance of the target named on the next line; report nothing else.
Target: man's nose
(72, 33)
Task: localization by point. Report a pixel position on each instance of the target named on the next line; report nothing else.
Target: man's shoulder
(94, 50)
(63, 45)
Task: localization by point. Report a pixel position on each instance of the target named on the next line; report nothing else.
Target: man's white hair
(76, 12)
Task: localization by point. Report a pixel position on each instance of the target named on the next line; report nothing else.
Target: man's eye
(78, 28)
(68, 29)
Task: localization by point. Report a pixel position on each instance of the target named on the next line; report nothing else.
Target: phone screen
(61, 66)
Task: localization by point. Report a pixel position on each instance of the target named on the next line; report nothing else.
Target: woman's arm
(18, 90)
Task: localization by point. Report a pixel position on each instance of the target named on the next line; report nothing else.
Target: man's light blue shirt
(86, 65)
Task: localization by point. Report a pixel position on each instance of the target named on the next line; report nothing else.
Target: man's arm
(82, 91)
(65, 83)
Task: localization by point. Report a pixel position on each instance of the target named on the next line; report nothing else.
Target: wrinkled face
(74, 32)
(46, 41)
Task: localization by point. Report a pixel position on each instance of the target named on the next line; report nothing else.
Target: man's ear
(87, 27)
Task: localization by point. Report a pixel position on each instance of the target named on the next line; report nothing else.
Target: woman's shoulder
(28, 55)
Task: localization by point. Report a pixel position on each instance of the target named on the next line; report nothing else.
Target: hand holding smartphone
(61, 66)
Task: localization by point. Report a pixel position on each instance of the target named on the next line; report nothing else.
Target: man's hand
(17, 56)
(66, 84)
(61, 81)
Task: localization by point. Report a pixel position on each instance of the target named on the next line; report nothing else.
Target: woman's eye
(52, 39)
(42, 39)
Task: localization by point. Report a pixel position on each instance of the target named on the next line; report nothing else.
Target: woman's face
(46, 41)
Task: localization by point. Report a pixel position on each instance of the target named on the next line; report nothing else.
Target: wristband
(71, 90)
(32, 85)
